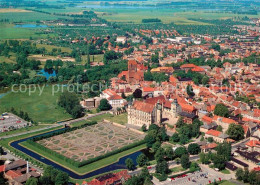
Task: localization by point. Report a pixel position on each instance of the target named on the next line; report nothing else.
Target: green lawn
(227, 183)
(121, 119)
(41, 108)
(50, 47)
(8, 31)
(177, 169)
(22, 130)
(225, 171)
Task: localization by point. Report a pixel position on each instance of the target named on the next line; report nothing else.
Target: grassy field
(121, 119)
(225, 171)
(18, 131)
(166, 15)
(50, 47)
(227, 183)
(8, 31)
(13, 10)
(41, 108)
(11, 59)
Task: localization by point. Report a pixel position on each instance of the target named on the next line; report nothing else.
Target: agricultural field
(41, 108)
(50, 47)
(12, 10)
(92, 141)
(46, 57)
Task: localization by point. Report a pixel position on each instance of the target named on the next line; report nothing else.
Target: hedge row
(68, 129)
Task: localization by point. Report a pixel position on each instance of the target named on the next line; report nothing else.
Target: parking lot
(10, 121)
(203, 177)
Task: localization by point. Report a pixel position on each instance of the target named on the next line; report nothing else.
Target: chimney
(27, 168)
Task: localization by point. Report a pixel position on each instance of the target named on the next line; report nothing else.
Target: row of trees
(51, 176)
(251, 177)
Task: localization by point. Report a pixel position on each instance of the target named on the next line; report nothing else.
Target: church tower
(175, 108)
(158, 113)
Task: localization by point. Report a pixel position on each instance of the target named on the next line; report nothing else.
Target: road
(55, 125)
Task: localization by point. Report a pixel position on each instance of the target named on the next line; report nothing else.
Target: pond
(115, 166)
(30, 26)
(47, 73)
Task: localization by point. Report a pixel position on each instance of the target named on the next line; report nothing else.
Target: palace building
(157, 110)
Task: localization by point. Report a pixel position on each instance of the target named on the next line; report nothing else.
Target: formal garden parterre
(91, 141)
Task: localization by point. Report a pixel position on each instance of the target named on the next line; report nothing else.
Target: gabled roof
(214, 133)
(253, 143)
(144, 107)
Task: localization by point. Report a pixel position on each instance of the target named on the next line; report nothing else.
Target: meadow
(41, 108)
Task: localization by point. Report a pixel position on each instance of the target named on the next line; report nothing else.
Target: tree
(162, 167)
(219, 128)
(193, 148)
(185, 161)
(142, 160)
(235, 132)
(3, 181)
(156, 146)
(175, 137)
(129, 164)
(180, 151)
(189, 90)
(32, 181)
(180, 122)
(137, 93)
(1, 151)
(224, 149)
(210, 139)
(104, 105)
(70, 102)
(221, 110)
(205, 80)
(169, 153)
(219, 162)
(45, 180)
(62, 178)
(194, 166)
(246, 176)
(239, 174)
(159, 155)
(144, 129)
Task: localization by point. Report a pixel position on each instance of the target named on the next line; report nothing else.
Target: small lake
(47, 73)
(115, 166)
(30, 26)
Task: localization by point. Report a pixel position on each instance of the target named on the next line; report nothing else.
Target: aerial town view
(129, 92)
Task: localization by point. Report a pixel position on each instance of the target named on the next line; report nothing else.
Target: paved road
(55, 125)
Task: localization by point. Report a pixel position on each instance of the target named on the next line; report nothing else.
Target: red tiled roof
(253, 143)
(2, 168)
(13, 174)
(209, 146)
(207, 119)
(213, 133)
(148, 89)
(188, 66)
(142, 106)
